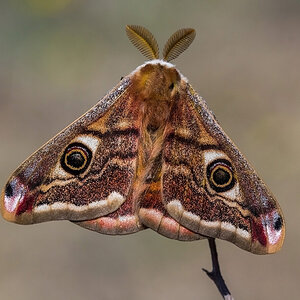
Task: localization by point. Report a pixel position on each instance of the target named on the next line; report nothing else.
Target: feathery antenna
(178, 43)
(144, 40)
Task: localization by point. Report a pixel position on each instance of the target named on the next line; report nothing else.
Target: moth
(149, 154)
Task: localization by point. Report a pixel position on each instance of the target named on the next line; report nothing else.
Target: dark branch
(215, 275)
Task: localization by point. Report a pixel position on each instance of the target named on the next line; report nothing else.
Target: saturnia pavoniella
(149, 154)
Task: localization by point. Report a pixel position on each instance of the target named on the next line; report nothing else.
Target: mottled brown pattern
(196, 200)
(184, 177)
(185, 137)
(184, 122)
(253, 189)
(122, 115)
(114, 177)
(119, 146)
(112, 167)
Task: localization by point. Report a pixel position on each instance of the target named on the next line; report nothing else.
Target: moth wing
(210, 188)
(153, 214)
(124, 220)
(84, 172)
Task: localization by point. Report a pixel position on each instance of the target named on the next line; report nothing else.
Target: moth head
(157, 81)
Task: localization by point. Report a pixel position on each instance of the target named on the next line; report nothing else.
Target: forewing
(210, 188)
(84, 172)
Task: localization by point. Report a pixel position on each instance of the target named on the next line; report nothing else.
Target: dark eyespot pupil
(75, 159)
(8, 190)
(171, 86)
(221, 177)
(278, 223)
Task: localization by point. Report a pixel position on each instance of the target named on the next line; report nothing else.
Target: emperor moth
(149, 154)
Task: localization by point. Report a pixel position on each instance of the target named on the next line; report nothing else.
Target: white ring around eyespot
(89, 141)
(211, 155)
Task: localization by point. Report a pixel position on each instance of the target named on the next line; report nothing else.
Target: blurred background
(58, 57)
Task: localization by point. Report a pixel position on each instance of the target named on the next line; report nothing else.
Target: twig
(215, 275)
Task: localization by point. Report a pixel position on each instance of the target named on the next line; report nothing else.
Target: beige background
(58, 57)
